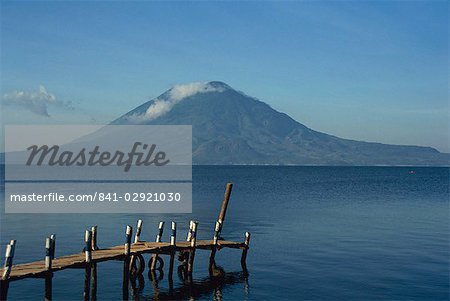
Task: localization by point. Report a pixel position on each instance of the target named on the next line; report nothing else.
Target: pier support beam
(52, 246)
(173, 240)
(87, 282)
(94, 238)
(244, 253)
(133, 264)
(218, 228)
(184, 255)
(126, 265)
(88, 244)
(137, 236)
(155, 256)
(212, 261)
(4, 283)
(93, 281)
(48, 287)
(49, 255)
(190, 266)
(88, 240)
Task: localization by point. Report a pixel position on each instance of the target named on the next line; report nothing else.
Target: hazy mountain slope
(230, 127)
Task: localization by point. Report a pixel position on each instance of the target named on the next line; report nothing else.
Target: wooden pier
(130, 253)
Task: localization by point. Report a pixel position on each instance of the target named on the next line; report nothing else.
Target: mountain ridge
(230, 127)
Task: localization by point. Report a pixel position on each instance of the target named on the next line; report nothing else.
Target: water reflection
(191, 290)
(134, 285)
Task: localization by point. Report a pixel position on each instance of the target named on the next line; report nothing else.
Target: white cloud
(163, 105)
(36, 101)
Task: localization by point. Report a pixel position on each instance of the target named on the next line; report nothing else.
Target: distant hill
(230, 127)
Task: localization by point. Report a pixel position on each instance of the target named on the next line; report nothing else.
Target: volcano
(230, 127)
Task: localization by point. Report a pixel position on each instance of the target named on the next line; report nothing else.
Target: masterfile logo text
(107, 167)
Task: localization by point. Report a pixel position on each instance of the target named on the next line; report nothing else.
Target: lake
(318, 233)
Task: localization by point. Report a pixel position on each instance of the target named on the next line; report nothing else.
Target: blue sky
(373, 70)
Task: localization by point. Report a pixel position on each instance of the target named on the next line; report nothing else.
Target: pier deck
(37, 268)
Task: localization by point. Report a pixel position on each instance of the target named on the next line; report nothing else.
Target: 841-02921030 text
(141, 197)
(99, 197)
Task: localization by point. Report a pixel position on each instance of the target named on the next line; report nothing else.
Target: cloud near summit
(36, 101)
(167, 101)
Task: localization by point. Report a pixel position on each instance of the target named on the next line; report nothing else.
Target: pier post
(173, 240)
(94, 238)
(173, 237)
(128, 240)
(49, 255)
(52, 246)
(160, 231)
(87, 282)
(88, 240)
(225, 201)
(88, 244)
(212, 262)
(244, 252)
(137, 236)
(184, 255)
(48, 286)
(192, 251)
(94, 282)
(219, 225)
(9, 255)
(158, 239)
(126, 265)
(189, 234)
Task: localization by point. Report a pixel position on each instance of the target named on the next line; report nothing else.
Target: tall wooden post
(225, 201)
(219, 225)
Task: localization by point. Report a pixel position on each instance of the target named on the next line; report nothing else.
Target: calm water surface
(318, 233)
